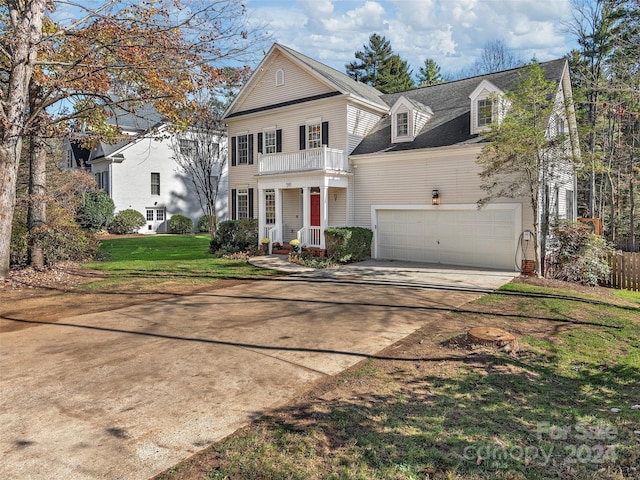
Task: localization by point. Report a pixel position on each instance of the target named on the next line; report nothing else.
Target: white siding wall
(131, 182)
(408, 179)
(298, 83)
(291, 209)
(337, 207)
(359, 123)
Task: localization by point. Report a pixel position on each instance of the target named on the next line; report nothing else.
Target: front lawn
(565, 406)
(171, 261)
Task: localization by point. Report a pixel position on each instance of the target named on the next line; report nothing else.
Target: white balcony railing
(315, 159)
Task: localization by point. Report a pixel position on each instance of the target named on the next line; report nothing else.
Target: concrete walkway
(128, 393)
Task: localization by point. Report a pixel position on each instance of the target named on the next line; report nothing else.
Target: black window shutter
(233, 151)
(279, 140)
(303, 137)
(234, 203)
(325, 133)
(250, 161)
(260, 142)
(250, 203)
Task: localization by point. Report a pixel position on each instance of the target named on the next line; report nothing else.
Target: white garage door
(479, 238)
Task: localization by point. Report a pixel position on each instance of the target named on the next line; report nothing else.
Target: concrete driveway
(128, 393)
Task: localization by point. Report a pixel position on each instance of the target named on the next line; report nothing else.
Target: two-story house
(141, 172)
(311, 148)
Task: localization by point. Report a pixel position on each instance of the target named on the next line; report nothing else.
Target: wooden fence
(625, 270)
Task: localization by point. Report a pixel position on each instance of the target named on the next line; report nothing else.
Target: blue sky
(452, 32)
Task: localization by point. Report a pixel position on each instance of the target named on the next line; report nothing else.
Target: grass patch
(165, 262)
(559, 409)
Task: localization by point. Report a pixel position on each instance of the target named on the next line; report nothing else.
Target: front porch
(301, 209)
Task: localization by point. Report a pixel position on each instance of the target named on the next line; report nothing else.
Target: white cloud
(452, 32)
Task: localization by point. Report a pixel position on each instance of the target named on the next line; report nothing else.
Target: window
(270, 206)
(243, 203)
(149, 215)
(104, 183)
(243, 149)
(187, 147)
(69, 158)
(560, 125)
(155, 184)
(269, 141)
(279, 77)
(160, 215)
(485, 112)
(402, 124)
(314, 136)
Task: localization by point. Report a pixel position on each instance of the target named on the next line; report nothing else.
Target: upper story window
(269, 142)
(402, 124)
(155, 184)
(243, 149)
(560, 125)
(485, 112)
(187, 147)
(279, 77)
(314, 136)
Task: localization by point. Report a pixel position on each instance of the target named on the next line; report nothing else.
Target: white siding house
(142, 174)
(311, 148)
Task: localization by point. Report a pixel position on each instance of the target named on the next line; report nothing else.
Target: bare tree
(201, 154)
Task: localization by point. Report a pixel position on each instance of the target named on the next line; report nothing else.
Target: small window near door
(160, 215)
(270, 207)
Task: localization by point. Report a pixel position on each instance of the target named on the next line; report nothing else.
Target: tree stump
(494, 337)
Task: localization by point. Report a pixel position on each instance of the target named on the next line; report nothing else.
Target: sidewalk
(280, 263)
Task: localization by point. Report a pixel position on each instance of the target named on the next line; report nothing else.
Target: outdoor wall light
(435, 197)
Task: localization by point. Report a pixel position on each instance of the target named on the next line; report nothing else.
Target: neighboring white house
(141, 173)
(312, 148)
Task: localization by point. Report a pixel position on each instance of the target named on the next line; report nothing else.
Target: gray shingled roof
(344, 82)
(450, 124)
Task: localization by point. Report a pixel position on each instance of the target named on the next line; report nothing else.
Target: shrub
(578, 255)
(204, 224)
(180, 224)
(235, 236)
(127, 221)
(348, 244)
(95, 210)
(61, 238)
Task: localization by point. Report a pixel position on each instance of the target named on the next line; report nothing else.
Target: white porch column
(262, 217)
(306, 207)
(278, 195)
(324, 212)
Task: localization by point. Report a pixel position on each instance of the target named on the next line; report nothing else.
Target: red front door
(315, 210)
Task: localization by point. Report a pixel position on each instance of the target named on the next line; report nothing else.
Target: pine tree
(369, 63)
(379, 67)
(429, 74)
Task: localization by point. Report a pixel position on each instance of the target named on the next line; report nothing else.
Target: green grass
(161, 259)
(545, 413)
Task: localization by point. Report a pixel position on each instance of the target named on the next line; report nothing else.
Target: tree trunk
(37, 206)
(25, 35)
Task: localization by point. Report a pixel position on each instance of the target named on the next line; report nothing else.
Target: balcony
(325, 159)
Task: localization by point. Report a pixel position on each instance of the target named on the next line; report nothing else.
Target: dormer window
(488, 106)
(402, 124)
(279, 77)
(485, 112)
(408, 117)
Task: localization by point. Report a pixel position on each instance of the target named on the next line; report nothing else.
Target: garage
(454, 235)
